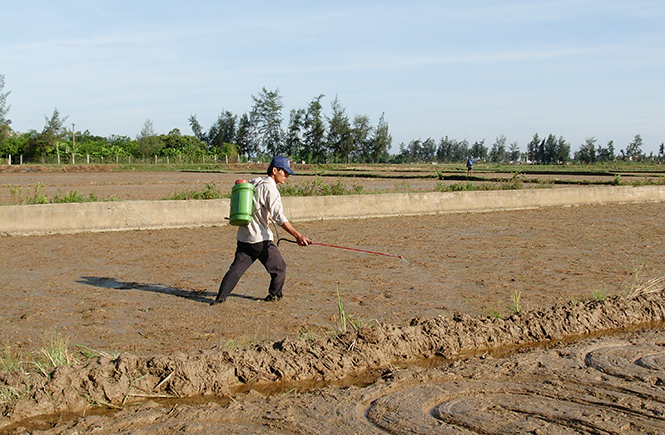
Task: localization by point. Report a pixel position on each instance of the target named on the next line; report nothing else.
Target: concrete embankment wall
(133, 215)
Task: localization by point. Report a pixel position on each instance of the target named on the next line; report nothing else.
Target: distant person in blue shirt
(469, 165)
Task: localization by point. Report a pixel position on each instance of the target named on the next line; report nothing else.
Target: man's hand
(302, 240)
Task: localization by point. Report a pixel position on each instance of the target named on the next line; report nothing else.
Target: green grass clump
(75, 196)
(210, 191)
(514, 184)
(456, 187)
(598, 295)
(55, 353)
(514, 306)
(10, 395)
(89, 353)
(37, 196)
(10, 360)
(319, 188)
(345, 319)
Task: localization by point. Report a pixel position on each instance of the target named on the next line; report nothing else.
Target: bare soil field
(502, 322)
(101, 181)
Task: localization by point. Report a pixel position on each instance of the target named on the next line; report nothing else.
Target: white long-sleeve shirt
(267, 205)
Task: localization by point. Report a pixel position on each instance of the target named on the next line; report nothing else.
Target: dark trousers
(246, 254)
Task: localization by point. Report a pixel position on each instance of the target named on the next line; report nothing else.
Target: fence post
(73, 159)
(87, 158)
(21, 160)
(167, 160)
(9, 160)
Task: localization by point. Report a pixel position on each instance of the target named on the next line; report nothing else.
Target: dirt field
(20, 182)
(146, 294)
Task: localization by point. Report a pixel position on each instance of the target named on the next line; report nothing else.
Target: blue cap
(281, 162)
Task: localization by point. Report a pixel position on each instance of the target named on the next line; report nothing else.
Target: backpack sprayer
(242, 203)
(242, 208)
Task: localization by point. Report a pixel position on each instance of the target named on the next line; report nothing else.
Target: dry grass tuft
(654, 285)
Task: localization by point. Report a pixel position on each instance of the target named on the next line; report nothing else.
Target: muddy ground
(145, 295)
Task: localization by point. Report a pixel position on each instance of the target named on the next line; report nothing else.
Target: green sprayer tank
(242, 204)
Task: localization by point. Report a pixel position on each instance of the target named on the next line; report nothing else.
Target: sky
(467, 69)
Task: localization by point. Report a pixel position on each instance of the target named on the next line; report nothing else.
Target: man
(469, 165)
(255, 240)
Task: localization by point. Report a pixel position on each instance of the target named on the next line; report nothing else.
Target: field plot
(145, 296)
(22, 183)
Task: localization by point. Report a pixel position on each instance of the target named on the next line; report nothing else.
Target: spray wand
(346, 248)
(337, 247)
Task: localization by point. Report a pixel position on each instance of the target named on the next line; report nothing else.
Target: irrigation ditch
(357, 359)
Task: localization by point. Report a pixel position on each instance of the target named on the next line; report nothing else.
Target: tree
(562, 151)
(634, 149)
(479, 150)
(549, 150)
(148, 142)
(514, 152)
(498, 152)
(605, 154)
(223, 131)
(428, 150)
(16, 144)
(175, 143)
(147, 130)
(382, 141)
(587, 151)
(294, 134)
(532, 149)
(445, 150)
(3, 102)
(314, 132)
(266, 117)
(452, 150)
(198, 130)
(411, 152)
(246, 139)
(4, 121)
(87, 144)
(52, 134)
(340, 142)
(361, 132)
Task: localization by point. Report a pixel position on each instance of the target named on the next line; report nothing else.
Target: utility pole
(73, 140)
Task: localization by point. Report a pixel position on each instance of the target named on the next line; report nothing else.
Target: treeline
(542, 151)
(310, 136)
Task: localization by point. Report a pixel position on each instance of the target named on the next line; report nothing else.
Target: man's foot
(271, 298)
(217, 301)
